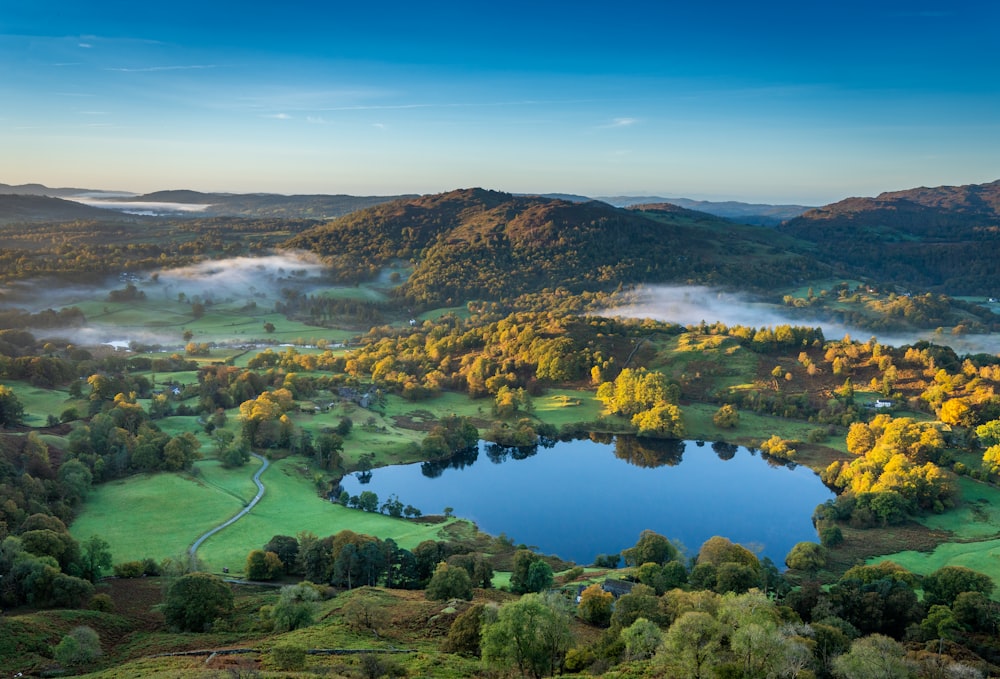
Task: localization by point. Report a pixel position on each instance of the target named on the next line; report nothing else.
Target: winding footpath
(246, 510)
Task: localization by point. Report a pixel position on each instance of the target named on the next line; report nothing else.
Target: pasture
(161, 515)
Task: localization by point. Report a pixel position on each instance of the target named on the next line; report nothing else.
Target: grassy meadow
(161, 515)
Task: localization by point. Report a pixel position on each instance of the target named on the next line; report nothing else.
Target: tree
(806, 556)
(11, 410)
(873, 656)
(263, 565)
(296, 607)
(363, 612)
(860, 439)
(194, 601)
(287, 549)
(465, 634)
(641, 639)
(531, 634)
(718, 550)
(95, 557)
(650, 548)
(691, 645)
(991, 459)
(449, 582)
(80, 647)
(595, 606)
(945, 584)
(663, 420)
(726, 417)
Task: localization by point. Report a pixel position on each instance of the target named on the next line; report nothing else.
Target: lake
(580, 498)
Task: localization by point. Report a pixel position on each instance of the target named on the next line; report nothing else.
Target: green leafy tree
(194, 601)
(691, 645)
(465, 634)
(531, 634)
(806, 556)
(263, 565)
(449, 582)
(95, 557)
(641, 639)
(945, 584)
(297, 607)
(11, 410)
(650, 548)
(874, 656)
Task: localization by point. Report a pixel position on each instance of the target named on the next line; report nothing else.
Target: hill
(761, 214)
(941, 238)
(16, 208)
(475, 243)
(268, 205)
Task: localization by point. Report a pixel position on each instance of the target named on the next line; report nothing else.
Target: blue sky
(805, 101)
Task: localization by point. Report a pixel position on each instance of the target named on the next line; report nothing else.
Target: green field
(160, 515)
(39, 403)
(975, 529)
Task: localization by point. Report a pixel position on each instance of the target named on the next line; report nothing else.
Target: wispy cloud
(277, 116)
(156, 69)
(622, 122)
(380, 126)
(85, 45)
(316, 120)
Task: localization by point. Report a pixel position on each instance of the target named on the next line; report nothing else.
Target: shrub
(128, 569)
(102, 603)
(289, 657)
(79, 647)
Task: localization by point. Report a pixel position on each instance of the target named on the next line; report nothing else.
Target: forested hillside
(492, 245)
(943, 238)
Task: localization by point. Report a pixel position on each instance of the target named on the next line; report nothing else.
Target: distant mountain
(41, 190)
(253, 205)
(945, 238)
(265, 205)
(761, 214)
(35, 208)
(491, 245)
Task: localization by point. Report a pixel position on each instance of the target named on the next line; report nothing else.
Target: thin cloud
(316, 120)
(156, 69)
(278, 116)
(85, 45)
(620, 122)
(380, 126)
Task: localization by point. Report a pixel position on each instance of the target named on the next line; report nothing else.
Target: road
(192, 550)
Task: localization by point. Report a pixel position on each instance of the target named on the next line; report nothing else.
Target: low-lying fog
(239, 280)
(140, 207)
(267, 279)
(690, 305)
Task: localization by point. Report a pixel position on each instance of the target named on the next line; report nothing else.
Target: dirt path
(192, 550)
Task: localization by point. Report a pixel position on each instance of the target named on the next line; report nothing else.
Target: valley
(143, 359)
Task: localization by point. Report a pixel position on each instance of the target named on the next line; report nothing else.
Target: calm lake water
(581, 498)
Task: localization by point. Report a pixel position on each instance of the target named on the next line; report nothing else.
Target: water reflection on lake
(581, 498)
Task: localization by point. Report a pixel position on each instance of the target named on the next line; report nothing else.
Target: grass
(39, 402)
(291, 505)
(160, 515)
(974, 527)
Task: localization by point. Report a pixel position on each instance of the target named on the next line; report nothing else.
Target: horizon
(787, 104)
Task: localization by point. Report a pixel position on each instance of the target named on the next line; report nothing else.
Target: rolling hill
(474, 243)
(16, 208)
(942, 239)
